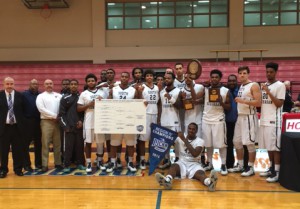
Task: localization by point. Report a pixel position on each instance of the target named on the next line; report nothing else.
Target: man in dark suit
(11, 127)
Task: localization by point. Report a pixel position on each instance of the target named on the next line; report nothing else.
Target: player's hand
(99, 98)
(79, 124)
(168, 96)
(265, 88)
(239, 100)
(181, 136)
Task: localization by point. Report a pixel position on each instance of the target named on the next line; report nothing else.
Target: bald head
(287, 84)
(9, 84)
(48, 84)
(34, 85)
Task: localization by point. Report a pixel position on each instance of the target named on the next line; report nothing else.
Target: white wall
(78, 33)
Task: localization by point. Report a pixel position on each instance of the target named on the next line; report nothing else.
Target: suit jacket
(18, 111)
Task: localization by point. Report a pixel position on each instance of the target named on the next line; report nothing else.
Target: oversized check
(114, 116)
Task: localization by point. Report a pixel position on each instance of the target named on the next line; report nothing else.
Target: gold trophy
(214, 94)
(188, 104)
(194, 69)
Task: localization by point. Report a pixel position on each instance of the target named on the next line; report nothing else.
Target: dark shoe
(19, 173)
(3, 174)
(38, 166)
(44, 169)
(28, 168)
(59, 167)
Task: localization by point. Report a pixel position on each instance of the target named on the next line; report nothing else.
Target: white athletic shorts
(116, 139)
(214, 135)
(90, 136)
(149, 120)
(269, 138)
(188, 169)
(245, 131)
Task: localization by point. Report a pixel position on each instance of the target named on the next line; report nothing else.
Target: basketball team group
(207, 116)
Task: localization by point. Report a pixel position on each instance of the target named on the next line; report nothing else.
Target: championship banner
(160, 143)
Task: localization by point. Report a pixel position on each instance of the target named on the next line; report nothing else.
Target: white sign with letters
(292, 125)
(120, 116)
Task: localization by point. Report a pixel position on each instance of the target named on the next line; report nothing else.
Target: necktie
(11, 114)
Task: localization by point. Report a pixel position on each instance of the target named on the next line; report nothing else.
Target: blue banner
(160, 143)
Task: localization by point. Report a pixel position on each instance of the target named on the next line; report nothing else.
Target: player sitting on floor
(190, 148)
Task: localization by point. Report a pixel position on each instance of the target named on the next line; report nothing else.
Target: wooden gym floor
(87, 192)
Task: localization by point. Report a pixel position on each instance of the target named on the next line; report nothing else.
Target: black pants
(33, 133)
(230, 156)
(74, 141)
(12, 137)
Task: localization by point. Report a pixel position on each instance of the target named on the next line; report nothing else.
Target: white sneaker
(101, 166)
(248, 172)
(89, 168)
(142, 165)
(273, 178)
(236, 169)
(224, 171)
(164, 181)
(213, 181)
(110, 167)
(266, 173)
(131, 167)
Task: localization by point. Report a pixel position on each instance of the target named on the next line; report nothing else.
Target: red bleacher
(23, 73)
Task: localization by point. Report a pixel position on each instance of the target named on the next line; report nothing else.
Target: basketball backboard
(40, 4)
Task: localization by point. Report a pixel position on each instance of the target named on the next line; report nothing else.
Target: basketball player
(106, 86)
(86, 104)
(273, 95)
(193, 93)
(190, 147)
(150, 93)
(213, 124)
(246, 128)
(122, 91)
(170, 101)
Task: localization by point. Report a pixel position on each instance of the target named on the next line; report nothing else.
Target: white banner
(120, 116)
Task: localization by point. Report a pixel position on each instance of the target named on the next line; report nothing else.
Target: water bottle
(172, 155)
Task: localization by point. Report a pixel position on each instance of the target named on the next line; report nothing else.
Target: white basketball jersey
(193, 115)
(245, 93)
(179, 84)
(184, 154)
(270, 114)
(119, 93)
(151, 95)
(213, 112)
(106, 89)
(169, 114)
(86, 97)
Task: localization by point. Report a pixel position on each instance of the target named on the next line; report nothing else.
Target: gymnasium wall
(78, 34)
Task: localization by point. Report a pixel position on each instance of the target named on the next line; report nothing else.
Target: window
(271, 12)
(167, 14)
